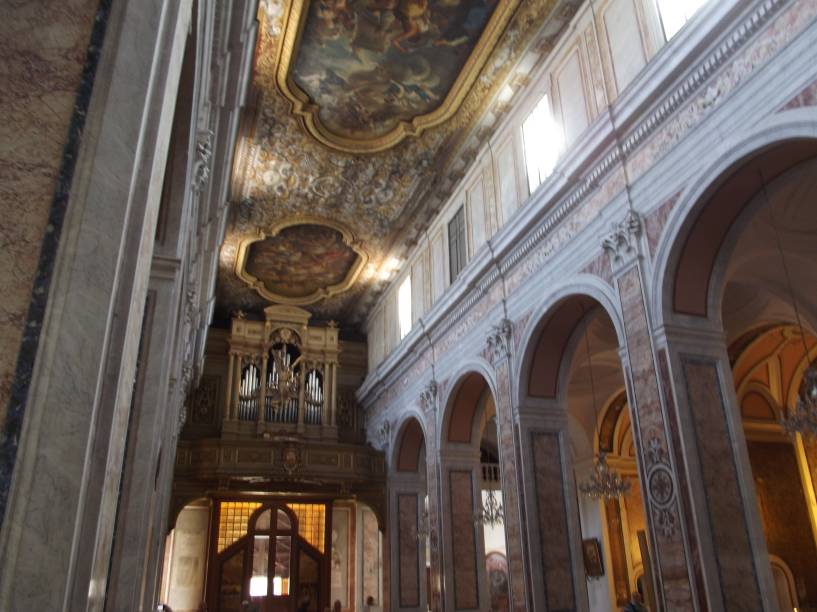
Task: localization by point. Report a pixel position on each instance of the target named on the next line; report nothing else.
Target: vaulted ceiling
(362, 115)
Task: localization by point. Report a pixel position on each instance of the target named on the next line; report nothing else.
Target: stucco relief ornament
(428, 398)
(622, 242)
(204, 155)
(499, 340)
(384, 435)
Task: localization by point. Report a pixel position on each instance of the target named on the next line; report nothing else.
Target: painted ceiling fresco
(384, 199)
(370, 64)
(301, 260)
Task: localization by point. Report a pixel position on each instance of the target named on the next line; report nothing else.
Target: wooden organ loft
(275, 413)
(281, 376)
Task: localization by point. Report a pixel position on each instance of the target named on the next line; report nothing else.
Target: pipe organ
(282, 374)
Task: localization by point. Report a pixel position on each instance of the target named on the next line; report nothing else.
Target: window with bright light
(675, 13)
(404, 307)
(543, 142)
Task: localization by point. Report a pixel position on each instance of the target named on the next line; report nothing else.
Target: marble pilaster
(555, 557)
(499, 351)
(658, 468)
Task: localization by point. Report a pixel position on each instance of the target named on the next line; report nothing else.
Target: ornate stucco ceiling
(286, 168)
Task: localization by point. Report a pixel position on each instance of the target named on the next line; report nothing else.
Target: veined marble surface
(44, 48)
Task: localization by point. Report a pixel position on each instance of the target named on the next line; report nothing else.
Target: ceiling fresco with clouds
(382, 199)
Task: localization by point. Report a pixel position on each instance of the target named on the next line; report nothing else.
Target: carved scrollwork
(204, 157)
(498, 342)
(622, 241)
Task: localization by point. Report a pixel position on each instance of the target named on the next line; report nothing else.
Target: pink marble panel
(510, 486)
(463, 540)
(408, 551)
(553, 533)
(739, 585)
(806, 97)
(655, 221)
(600, 266)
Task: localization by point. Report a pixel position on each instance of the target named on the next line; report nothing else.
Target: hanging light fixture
(604, 482)
(491, 512)
(803, 419)
(422, 526)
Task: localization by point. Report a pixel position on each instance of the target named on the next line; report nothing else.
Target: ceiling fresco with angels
(381, 199)
(371, 64)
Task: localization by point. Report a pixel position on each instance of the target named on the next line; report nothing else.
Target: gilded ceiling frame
(302, 106)
(317, 295)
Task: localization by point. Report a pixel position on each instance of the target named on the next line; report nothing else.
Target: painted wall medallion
(364, 74)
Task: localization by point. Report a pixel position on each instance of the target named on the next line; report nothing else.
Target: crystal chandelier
(491, 512)
(422, 527)
(604, 483)
(803, 420)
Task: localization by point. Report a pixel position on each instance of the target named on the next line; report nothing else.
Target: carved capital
(384, 435)
(498, 342)
(428, 397)
(621, 243)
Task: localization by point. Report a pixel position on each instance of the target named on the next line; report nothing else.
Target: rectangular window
(404, 306)
(543, 140)
(456, 243)
(675, 13)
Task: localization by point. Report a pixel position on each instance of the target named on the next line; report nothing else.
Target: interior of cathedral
(408, 305)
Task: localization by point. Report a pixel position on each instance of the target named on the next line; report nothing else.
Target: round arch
(460, 414)
(548, 333)
(409, 444)
(693, 239)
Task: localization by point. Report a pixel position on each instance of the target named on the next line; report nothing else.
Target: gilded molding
(308, 112)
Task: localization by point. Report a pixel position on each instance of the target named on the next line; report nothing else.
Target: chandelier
(423, 530)
(491, 512)
(604, 483)
(803, 420)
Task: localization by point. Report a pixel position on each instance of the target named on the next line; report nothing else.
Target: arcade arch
(739, 314)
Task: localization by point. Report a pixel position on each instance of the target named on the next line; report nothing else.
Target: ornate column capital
(428, 397)
(621, 244)
(498, 342)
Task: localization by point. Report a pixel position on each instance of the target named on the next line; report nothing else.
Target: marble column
(136, 518)
(465, 587)
(499, 351)
(407, 562)
(58, 529)
(679, 584)
(696, 378)
(555, 559)
(428, 402)
(692, 459)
